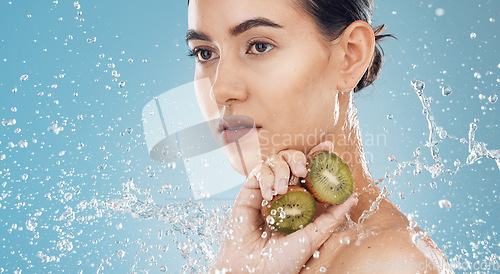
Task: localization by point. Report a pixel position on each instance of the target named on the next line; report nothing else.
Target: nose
(229, 85)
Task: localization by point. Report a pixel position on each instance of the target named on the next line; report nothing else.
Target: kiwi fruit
(329, 179)
(290, 212)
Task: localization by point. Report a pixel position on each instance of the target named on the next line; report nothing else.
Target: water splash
(202, 230)
(477, 150)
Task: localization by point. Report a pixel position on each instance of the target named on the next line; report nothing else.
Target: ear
(357, 44)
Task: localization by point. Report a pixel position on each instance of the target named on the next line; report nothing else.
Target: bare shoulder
(382, 244)
(392, 251)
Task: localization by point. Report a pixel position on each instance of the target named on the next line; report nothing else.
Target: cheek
(207, 106)
(297, 89)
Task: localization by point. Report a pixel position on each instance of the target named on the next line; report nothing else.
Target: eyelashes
(260, 49)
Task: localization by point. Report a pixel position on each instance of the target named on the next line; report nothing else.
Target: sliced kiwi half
(329, 178)
(290, 212)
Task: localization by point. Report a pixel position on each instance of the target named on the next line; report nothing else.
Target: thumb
(317, 232)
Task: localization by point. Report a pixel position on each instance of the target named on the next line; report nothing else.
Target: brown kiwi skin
(308, 183)
(265, 209)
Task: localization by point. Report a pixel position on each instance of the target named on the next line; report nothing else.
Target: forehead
(203, 15)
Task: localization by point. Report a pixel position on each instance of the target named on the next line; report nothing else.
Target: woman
(292, 67)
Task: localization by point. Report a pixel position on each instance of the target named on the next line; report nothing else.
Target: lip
(233, 128)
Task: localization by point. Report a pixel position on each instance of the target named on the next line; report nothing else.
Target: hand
(251, 246)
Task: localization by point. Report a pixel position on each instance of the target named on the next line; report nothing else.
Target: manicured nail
(301, 169)
(283, 184)
(269, 195)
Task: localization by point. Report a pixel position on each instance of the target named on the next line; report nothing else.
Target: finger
(281, 173)
(266, 181)
(317, 232)
(296, 160)
(324, 146)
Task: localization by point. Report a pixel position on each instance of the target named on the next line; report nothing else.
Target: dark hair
(333, 16)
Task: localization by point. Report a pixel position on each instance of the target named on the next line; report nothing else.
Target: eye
(259, 47)
(203, 55)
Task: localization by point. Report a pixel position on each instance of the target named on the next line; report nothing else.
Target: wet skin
(267, 60)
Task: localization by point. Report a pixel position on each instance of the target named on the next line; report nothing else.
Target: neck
(346, 137)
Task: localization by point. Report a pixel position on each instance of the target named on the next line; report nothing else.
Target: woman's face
(277, 69)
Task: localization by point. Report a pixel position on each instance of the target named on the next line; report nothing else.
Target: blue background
(73, 184)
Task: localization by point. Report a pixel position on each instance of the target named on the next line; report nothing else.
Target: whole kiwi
(290, 212)
(329, 178)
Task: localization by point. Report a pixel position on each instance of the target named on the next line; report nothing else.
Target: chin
(244, 159)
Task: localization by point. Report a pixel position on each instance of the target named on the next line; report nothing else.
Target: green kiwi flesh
(331, 178)
(291, 212)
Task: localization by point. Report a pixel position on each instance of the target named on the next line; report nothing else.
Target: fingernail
(301, 168)
(269, 194)
(283, 184)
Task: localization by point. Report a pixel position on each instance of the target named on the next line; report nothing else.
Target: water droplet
(121, 84)
(120, 253)
(415, 238)
(91, 40)
(9, 122)
(389, 117)
(171, 165)
(23, 144)
(163, 268)
(264, 203)
(115, 73)
(14, 109)
(492, 20)
(433, 185)
(270, 220)
(24, 77)
(464, 251)
(473, 35)
(31, 225)
(129, 130)
(25, 176)
(444, 203)
(439, 11)
(14, 90)
(322, 269)
(264, 235)
(130, 60)
(446, 90)
(442, 133)
(102, 148)
(477, 75)
(401, 196)
(493, 98)
(316, 254)
(418, 86)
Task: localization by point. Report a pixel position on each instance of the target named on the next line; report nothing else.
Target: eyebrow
(236, 30)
